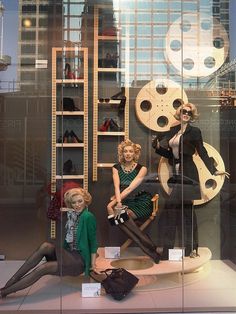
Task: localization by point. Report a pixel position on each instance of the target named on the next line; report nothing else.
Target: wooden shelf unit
(58, 114)
(96, 103)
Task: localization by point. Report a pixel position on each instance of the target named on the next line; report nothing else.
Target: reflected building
(5, 61)
(40, 28)
(44, 24)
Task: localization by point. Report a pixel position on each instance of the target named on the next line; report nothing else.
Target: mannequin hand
(222, 173)
(118, 205)
(155, 143)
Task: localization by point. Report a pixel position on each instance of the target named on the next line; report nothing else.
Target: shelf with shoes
(69, 135)
(111, 79)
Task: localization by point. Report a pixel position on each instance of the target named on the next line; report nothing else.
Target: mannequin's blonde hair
(68, 196)
(122, 145)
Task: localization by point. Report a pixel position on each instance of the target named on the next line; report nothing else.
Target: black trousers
(180, 214)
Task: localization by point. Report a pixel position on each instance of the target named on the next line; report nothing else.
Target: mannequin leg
(191, 229)
(172, 214)
(48, 268)
(146, 241)
(152, 253)
(46, 249)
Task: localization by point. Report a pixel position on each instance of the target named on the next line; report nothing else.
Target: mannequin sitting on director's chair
(128, 204)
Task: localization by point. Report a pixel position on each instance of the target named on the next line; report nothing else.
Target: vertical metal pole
(1, 16)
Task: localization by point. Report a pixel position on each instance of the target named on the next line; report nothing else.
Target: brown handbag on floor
(118, 282)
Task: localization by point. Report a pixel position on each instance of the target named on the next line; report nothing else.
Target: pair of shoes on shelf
(110, 125)
(69, 137)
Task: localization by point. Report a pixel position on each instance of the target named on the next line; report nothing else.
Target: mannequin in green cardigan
(78, 254)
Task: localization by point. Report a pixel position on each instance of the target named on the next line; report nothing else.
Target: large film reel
(197, 44)
(210, 185)
(157, 102)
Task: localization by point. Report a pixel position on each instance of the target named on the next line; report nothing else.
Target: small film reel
(157, 102)
(197, 45)
(210, 185)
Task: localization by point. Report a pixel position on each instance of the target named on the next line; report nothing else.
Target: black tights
(140, 238)
(23, 278)
(177, 210)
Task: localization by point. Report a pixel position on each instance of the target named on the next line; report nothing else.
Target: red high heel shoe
(104, 127)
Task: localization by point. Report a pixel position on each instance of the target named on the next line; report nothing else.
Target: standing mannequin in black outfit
(183, 141)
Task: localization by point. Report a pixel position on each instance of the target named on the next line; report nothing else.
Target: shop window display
(120, 77)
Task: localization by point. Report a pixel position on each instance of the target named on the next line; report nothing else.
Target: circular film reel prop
(157, 102)
(210, 185)
(197, 45)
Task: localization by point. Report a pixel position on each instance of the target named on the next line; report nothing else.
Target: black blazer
(191, 141)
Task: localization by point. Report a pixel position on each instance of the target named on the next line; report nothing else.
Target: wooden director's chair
(145, 223)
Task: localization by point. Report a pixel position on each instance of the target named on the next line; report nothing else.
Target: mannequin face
(185, 114)
(78, 203)
(128, 153)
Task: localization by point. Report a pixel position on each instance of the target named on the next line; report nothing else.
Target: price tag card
(91, 290)
(175, 254)
(112, 252)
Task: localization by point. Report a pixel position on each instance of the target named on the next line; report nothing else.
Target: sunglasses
(186, 112)
(104, 100)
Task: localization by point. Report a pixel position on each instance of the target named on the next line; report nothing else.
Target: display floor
(208, 288)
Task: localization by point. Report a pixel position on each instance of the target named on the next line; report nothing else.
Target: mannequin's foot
(191, 252)
(2, 295)
(155, 256)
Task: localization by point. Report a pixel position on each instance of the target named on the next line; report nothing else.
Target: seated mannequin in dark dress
(128, 174)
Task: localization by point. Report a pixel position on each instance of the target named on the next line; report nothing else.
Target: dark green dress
(139, 201)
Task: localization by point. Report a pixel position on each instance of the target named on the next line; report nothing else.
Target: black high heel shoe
(121, 106)
(67, 167)
(120, 96)
(114, 126)
(74, 138)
